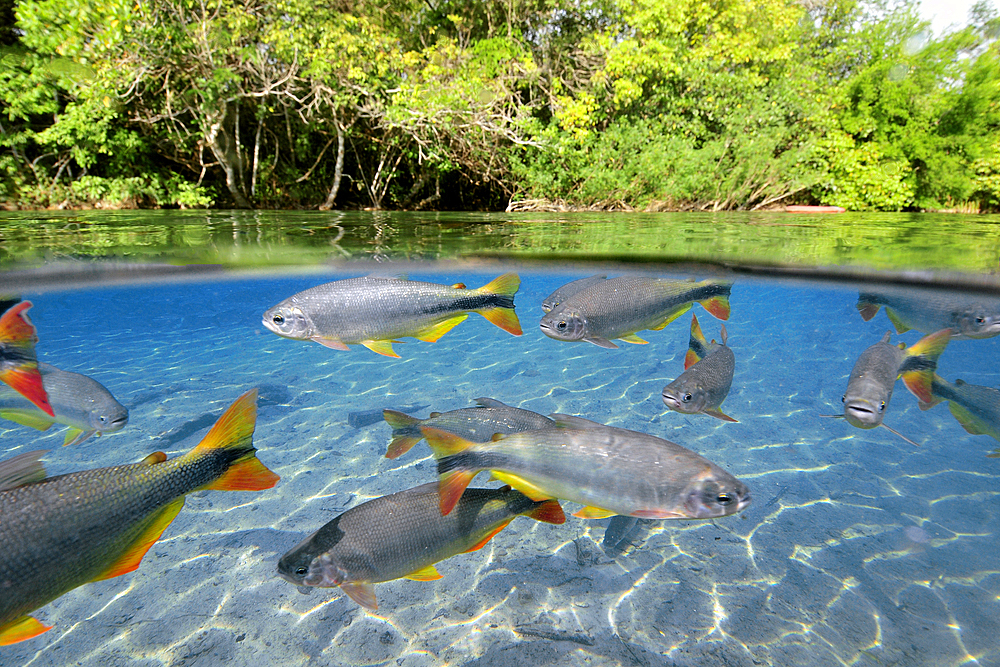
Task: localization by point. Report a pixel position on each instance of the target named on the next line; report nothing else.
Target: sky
(943, 13)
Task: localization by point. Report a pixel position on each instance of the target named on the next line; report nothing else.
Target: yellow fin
(21, 629)
(672, 316)
(489, 536)
(896, 322)
(154, 458)
(635, 340)
(432, 333)
(428, 573)
(234, 430)
(968, 421)
(506, 285)
(591, 512)
(130, 560)
(29, 418)
(383, 347)
(522, 485)
(505, 318)
(74, 436)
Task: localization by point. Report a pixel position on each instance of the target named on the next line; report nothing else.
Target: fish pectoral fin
(867, 309)
(432, 333)
(522, 485)
(489, 536)
(601, 342)
(29, 418)
(505, 318)
(719, 414)
(634, 339)
(428, 573)
(400, 445)
(21, 629)
(383, 347)
(332, 343)
(896, 322)
(591, 512)
(657, 514)
(132, 556)
(362, 593)
(74, 436)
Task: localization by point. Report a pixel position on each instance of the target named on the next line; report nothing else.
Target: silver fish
(376, 311)
(568, 290)
(620, 307)
(976, 408)
(476, 424)
(707, 377)
(928, 311)
(80, 402)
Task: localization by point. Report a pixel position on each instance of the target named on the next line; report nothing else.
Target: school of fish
(59, 533)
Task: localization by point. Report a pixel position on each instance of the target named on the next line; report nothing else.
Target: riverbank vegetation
(524, 104)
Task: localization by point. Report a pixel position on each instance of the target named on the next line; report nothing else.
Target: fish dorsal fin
(432, 333)
(154, 458)
(21, 629)
(74, 436)
(896, 322)
(428, 573)
(591, 512)
(332, 343)
(22, 469)
(29, 418)
(361, 592)
(130, 559)
(490, 403)
(383, 347)
(885, 337)
(572, 421)
(489, 536)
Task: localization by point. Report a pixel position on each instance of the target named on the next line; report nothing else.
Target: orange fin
(154, 458)
(443, 443)
(249, 474)
(505, 318)
(400, 445)
(21, 629)
(921, 362)
(428, 573)
(867, 309)
(383, 347)
(234, 430)
(489, 536)
(591, 512)
(432, 333)
(549, 511)
(690, 359)
(397, 419)
(717, 306)
(27, 381)
(451, 487)
(362, 593)
(459, 285)
(130, 560)
(896, 322)
(332, 343)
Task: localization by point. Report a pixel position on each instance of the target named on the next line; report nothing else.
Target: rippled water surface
(858, 548)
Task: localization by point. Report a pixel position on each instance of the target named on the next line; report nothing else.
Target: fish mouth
(861, 415)
(671, 401)
(290, 579)
(745, 500)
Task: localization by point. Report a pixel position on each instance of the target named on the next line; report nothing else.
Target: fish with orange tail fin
(375, 312)
(62, 532)
(608, 470)
(18, 363)
(404, 535)
(620, 307)
(707, 377)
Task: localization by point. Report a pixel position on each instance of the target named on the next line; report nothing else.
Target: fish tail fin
(453, 469)
(696, 344)
(717, 305)
(21, 629)
(503, 316)
(867, 308)
(400, 445)
(403, 438)
(918, 369)
(939, 391)
(548, 511)
(17, 331)
(233, 433)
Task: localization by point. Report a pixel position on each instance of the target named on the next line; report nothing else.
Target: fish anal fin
(505, 318)
(634, 339)
(428, 573)
(383, 347)
(867, 309)
(489, 536)
(432, 333)
(130, 560)
(719, 414)
(400, 445)
(549, 511)
(247, 474)
(522, 485)
(718, 306)
(361, 592)
(967, 419)
(332, 343)
(591, 512)
(21, 629)
(601, 342)
(896, 321)
(28, 418)
(673, 315)
(74, 436)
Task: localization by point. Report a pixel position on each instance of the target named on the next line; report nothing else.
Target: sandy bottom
(858, 549)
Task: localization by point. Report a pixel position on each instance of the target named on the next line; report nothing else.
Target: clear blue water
(858, 549)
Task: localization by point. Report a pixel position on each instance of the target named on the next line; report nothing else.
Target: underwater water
(857, 549)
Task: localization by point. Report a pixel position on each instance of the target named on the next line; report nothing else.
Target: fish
(403, 535)
(18, 362)
(606, 469)
(375, 311)
(62, 532)
(568, 290)
(976, 408)
(362, 418)
(620, 307)
(477, 424)
(80, 402)
(618, 534)
(927, 311)
(707, 376)
(873, 378)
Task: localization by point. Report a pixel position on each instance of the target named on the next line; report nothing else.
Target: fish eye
(302, 571)
(980, 320)
(686, 397)
(881, 407)
(561, 325)
(279, 319)
(724, 499)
